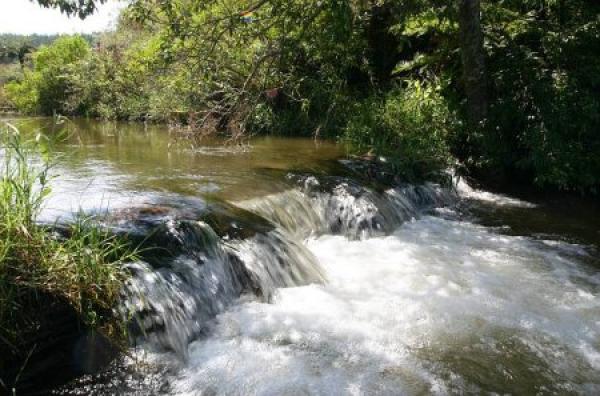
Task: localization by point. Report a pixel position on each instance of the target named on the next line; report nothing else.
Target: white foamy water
(468, 192)
(440, 306)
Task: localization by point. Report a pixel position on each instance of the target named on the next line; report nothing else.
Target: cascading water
(173, 302)
(341, 206)
(173, 299)
(440, 306)
(354, 291)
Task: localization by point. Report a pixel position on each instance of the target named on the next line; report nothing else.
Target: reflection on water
(108, 163)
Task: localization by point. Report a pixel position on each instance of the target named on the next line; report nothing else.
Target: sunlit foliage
(306, 67)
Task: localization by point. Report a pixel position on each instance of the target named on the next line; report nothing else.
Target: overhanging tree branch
(81, 8)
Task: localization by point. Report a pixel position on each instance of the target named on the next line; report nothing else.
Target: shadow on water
(542, 215)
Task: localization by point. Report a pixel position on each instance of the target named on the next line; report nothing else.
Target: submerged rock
(125, 376)
(164, 229)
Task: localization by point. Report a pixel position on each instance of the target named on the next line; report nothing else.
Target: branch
(81, 8)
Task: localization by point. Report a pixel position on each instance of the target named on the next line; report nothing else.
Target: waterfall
(172, 303)
(333, 286)
(348, 208)
(172, 297)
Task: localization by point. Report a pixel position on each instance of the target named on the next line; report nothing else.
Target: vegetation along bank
(509, 89)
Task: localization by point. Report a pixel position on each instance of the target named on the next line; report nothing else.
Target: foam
(439, 306)
(468, 192)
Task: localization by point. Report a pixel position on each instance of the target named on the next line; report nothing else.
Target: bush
(23, 94)
(409, 127)
(543, 124)
(46, 88)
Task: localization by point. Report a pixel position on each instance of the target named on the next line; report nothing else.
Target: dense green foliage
(383, 76)
(544, 66)
(40, 269)
(409, 127)
(46, 88)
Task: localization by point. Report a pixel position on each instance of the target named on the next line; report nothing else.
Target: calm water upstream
(350, 290)
(110, 164)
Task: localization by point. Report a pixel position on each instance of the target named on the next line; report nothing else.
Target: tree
(23, 50)
(46, 88)
(473, 59)
(81, 8)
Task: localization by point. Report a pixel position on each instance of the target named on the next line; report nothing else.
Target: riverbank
(57, 289)
(386, 79)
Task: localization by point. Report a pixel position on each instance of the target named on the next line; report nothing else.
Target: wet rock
(231, 222)
(164, 231)
(60, 349)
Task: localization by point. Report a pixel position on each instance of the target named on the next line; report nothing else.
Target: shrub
(23, 94)
(47, 87)
(409, 127)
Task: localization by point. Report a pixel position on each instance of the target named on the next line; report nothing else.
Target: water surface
(445, 292)
(115, 164)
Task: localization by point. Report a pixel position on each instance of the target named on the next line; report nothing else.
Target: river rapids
(350, 291)
(278, 268)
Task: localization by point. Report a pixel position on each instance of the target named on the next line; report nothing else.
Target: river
(348, 289)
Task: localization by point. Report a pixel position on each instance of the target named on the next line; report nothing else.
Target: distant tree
(23, 50)
(46, 88)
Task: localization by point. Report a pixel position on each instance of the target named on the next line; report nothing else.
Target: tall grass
(80, 267)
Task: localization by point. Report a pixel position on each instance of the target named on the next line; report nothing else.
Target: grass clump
(79, 268)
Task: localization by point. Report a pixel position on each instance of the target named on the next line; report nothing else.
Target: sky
(26, 17)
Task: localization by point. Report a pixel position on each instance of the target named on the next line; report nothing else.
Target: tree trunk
(473, 60)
